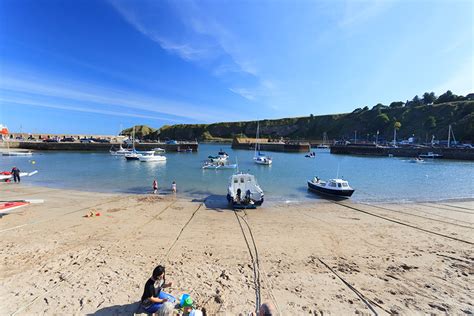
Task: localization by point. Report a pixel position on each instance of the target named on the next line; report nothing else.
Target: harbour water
(380, 179)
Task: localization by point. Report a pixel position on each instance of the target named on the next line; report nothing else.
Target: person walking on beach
(16, 174)
(173, 187)
(153, 297)
(155, 186)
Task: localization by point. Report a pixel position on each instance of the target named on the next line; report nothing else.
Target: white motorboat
(152, 158)
(223, 154)
(18, 153)
(324, 145)
(120, 152)
(416, 160)
(244, 192)
(218, 166)
(7, 176)
(135, 155)
(334, 187)
(260, 158)
(217, 159)
(159, 150)
(430, 155)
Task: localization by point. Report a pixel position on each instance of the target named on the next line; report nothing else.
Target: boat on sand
(244, 192)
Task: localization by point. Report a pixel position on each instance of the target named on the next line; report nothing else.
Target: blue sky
(89, 66)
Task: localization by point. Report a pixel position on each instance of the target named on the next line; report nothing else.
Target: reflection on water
(374, 178)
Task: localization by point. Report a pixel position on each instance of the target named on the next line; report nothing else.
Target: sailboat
(258, 157)
(323, 145)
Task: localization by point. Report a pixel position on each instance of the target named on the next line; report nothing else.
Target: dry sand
(316, 258)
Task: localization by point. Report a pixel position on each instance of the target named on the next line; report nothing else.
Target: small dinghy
(152, 158)
(8, 176)
(334, 187)
(244, 192)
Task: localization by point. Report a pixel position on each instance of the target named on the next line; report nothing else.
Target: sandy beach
(313, 258)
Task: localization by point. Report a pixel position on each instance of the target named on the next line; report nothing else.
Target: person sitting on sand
(153, 297)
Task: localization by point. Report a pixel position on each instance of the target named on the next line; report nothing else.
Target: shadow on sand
(217, 203)
(127, 309)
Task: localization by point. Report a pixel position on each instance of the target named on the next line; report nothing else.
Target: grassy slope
(414, 120)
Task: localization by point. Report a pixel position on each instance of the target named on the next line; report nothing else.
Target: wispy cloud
(461, 81)
(265, 88)
(32, 102)
(357, 12)
(200, 38)
(41, 87)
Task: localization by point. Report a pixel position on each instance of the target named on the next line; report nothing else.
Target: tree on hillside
(416, 101)
(448, 96)
(429, 98)
(397, 104)
(382, 120)
(430, 122)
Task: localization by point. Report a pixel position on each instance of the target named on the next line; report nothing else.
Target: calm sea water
(374, 178)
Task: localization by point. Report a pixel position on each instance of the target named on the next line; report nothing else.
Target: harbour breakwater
(77, 146)
(447, 153)
(265, 145)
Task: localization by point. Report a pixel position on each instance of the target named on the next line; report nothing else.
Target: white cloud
(357, 12)
(55, 90)
(8, 101)
(201, 38)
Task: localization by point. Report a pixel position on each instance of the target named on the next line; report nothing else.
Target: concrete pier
(448, 153)
(265, 145)
(78, 146)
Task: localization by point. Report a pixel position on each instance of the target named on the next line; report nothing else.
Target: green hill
(415, 118)
(141, 131)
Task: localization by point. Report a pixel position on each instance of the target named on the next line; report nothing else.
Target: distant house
(470, 97)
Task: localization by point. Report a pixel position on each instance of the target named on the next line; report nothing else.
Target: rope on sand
(256, 271)
(270, 285)
(360, 295)
(404, 224)
(179, 235)
(72, 273)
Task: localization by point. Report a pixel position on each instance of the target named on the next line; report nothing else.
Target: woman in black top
(153, 297)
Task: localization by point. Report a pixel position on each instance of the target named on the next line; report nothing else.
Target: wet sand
(313, 258)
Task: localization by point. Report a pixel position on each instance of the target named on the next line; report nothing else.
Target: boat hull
(344, 193)
(242, 206)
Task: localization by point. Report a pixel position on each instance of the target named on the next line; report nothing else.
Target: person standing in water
(173, 187)
(155, 186)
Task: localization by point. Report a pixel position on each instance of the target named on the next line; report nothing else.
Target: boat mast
(256, 140)
(449, 134)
